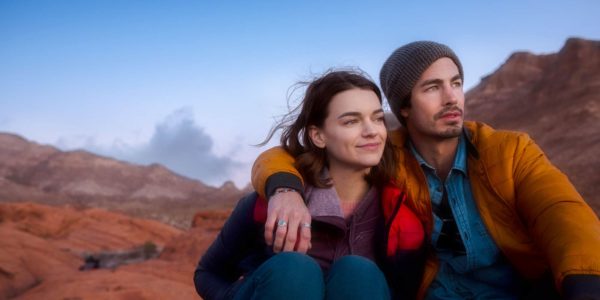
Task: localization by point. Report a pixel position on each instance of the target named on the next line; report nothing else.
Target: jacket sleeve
(272, 169)
(580, 287)
(217, 271)
(560, 222)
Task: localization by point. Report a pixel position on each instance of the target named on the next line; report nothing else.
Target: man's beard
(456, 129)
(451, 132)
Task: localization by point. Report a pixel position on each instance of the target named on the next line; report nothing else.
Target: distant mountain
(556, 99)
(44, 174)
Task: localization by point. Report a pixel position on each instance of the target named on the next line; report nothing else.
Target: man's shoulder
(484, 136)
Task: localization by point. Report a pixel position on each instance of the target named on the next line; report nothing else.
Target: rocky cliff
(556, 99)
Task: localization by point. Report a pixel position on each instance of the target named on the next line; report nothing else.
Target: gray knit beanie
(404, 67)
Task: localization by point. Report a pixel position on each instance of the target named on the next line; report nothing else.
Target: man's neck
(438, 153)
(350, 185)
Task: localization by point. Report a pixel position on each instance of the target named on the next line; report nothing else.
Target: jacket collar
(400, 138)
(323, 205)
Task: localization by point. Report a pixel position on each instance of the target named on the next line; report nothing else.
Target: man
(502, 221)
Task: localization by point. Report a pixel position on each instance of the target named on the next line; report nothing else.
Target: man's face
(437, 103)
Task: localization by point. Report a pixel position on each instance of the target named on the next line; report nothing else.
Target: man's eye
(431, 88)
(457, 84)
(350, 122)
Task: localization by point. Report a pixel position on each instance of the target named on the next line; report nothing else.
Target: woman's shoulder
(246, 207)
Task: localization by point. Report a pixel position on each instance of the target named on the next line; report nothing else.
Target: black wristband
(283, 180)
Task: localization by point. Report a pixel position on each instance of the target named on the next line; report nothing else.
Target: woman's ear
(404, 112)
(316, 136)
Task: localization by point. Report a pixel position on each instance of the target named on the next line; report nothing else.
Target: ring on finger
(281, 223)
(305, 225)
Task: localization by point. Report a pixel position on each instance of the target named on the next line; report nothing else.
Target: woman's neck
(350, 185)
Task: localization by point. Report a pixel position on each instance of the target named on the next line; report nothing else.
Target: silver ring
(281, 223)
(306, 225)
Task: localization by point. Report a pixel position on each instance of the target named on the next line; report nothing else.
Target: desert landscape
(75, 225)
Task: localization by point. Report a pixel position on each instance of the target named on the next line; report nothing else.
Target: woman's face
(354, 132)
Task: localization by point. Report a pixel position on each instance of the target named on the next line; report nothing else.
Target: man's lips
(454, 114)
(449, 114)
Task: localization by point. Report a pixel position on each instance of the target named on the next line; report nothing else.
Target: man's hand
(288, 222)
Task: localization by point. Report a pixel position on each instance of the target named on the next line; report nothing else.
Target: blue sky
(193, 85)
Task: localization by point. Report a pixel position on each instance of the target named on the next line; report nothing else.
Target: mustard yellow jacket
(530, 208)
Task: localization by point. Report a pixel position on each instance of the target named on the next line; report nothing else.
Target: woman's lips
(370, 146)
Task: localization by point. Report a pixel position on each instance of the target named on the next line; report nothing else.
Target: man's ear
(316, 136)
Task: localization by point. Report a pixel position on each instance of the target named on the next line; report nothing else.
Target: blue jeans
(291, 275)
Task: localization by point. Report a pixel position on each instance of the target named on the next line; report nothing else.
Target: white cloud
(177, 143)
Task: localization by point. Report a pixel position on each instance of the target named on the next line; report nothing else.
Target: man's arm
(275, 168)
(560, 222)
(275, 178)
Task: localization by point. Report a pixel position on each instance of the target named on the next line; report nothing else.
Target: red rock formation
(556, 99)
(42, 246)
(190, 245)
(27, 260)
(154, 279)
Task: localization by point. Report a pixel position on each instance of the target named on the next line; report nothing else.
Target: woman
(340, 144)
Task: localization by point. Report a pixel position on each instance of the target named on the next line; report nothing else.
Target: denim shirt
(483, 272)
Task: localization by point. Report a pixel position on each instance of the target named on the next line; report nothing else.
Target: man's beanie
(404, 67)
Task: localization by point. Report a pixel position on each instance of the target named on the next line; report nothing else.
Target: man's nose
(450, 94)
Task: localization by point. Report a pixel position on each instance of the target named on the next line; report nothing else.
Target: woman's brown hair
(313, 110)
